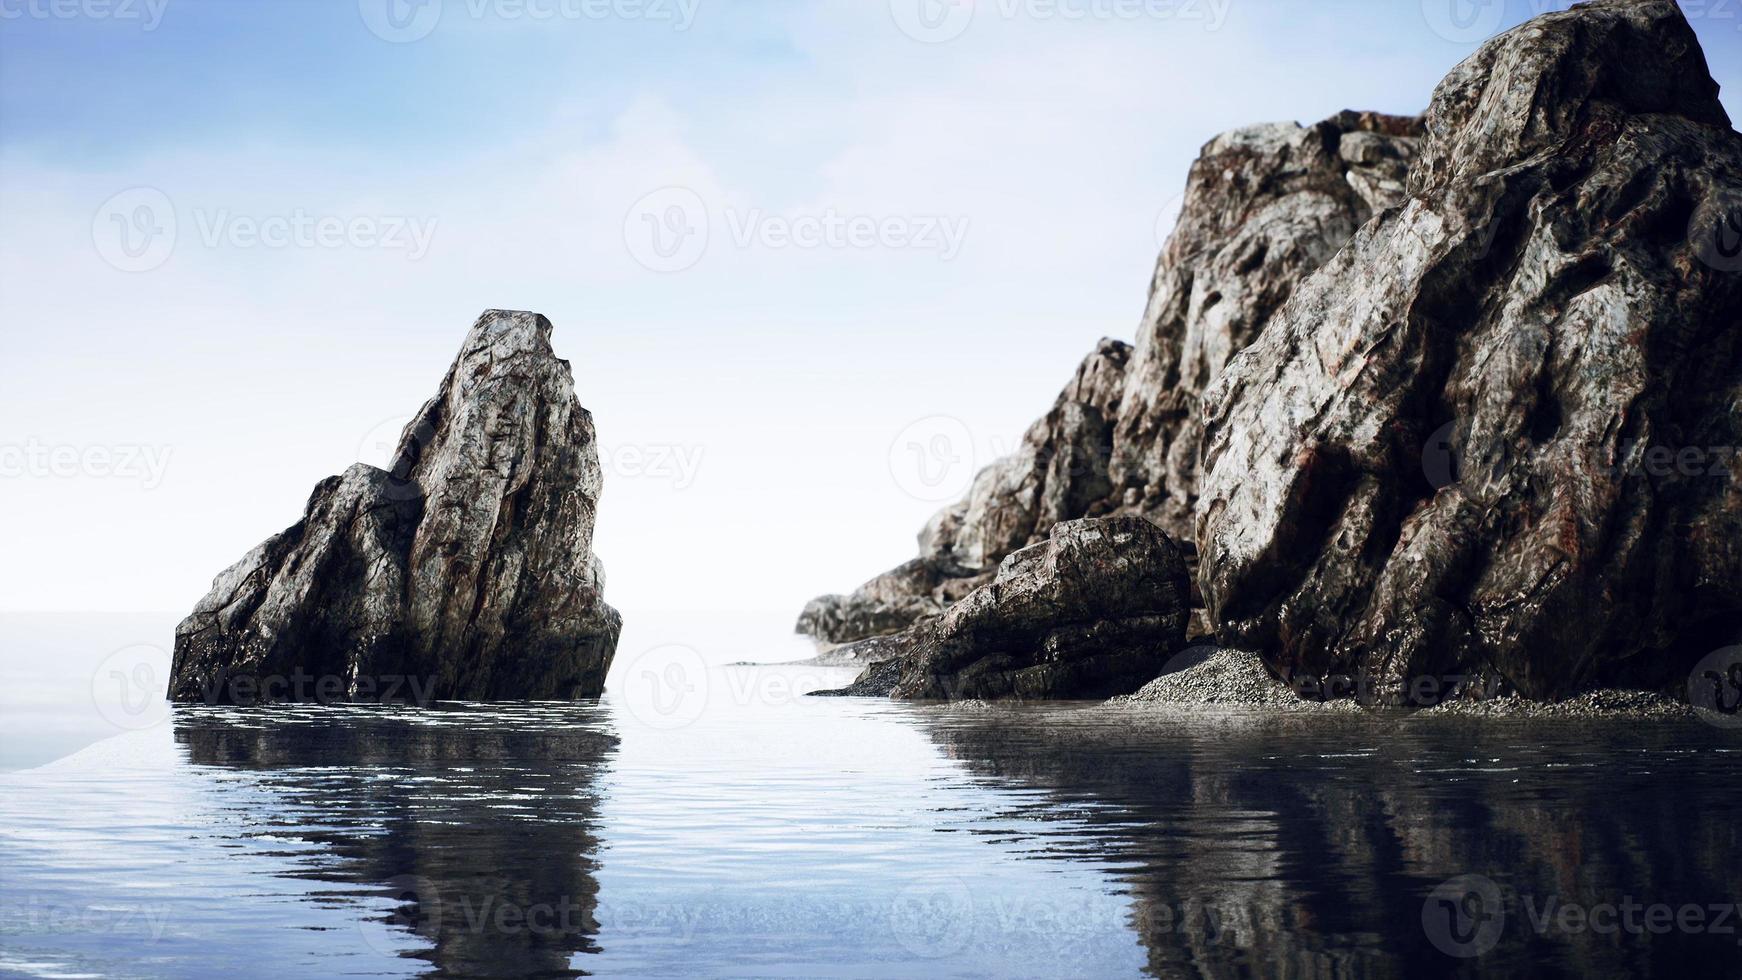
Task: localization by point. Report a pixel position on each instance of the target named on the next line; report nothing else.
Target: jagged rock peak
(466, 573)
(1562, 78)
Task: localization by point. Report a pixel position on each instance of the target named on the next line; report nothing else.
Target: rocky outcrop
(466, 573)
(1264, 207)
(1537, 322)
(1095, 610)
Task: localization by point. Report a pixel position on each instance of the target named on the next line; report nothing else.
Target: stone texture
(1264, 206)
(468, 569)
(1534, 322)
(1095, 610)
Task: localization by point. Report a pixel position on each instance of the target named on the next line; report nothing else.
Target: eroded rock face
(466, 573)
(1536, 321)
(1264, 207)
(1094, 610)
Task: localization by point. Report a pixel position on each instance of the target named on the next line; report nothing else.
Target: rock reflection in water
(1324, 846)
(475, 826)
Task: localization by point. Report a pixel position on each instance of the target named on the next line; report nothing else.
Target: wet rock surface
(1093, 611)
(466, 573)
(1440, 456)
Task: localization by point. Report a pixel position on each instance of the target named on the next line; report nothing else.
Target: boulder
(1495, 434)
(465, 573)
(1093, 611)
(1264, 206)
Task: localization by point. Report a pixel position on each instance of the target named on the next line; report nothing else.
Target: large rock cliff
(1495, 434)
(466, 573)
(1452, 396)
(1264, 206)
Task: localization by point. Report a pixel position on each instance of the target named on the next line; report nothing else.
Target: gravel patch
(1592, 704)
(1230, 678)
(1206, 676)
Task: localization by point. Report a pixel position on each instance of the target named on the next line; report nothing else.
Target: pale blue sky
(522, 147)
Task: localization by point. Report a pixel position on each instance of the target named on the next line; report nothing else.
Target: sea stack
(465, 573)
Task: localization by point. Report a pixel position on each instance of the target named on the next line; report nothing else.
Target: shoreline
(1236, 679)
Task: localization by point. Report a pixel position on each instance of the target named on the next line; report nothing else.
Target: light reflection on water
(784, 836)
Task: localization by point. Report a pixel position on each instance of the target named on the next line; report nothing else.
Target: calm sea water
(710, 821)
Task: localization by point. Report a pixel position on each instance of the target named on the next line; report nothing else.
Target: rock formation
(466, 573)
(1264, 207)
(1490, 434)
(1093, 611)
(1551, 320)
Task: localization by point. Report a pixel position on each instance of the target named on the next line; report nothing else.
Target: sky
(813, 262)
